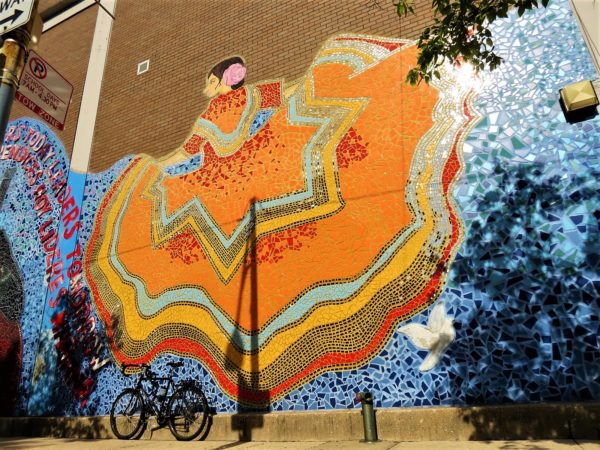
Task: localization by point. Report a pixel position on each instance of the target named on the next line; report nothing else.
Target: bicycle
(185, 410)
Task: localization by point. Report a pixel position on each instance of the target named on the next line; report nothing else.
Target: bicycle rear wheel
(127, 414)
(188, 412)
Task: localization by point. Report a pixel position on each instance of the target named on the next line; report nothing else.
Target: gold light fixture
(579, 95)
(579, 101)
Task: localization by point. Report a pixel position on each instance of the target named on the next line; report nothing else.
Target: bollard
(368, 413)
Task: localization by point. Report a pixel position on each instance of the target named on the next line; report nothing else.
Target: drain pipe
(368, 413)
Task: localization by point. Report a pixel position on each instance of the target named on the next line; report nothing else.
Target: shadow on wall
(534, 251)
(248, 383)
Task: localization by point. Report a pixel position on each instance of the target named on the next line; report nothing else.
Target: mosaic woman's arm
(290, 88)
(179, 155)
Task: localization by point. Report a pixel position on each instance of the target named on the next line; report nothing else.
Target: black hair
(220, 68)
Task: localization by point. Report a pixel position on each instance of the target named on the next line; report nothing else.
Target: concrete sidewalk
(113, 444)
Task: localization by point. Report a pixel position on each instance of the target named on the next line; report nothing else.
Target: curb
(482, 423)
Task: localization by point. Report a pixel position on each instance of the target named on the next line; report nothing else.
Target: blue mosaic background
(523, 289)
(22, 229)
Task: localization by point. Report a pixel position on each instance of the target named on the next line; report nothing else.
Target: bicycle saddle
(175, 364)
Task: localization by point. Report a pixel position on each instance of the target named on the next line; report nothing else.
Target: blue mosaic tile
(184, 167)
(261, 118)
(16, 218)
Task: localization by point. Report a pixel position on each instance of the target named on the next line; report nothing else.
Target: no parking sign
(44, 91)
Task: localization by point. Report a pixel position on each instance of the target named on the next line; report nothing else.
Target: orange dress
(307, 229)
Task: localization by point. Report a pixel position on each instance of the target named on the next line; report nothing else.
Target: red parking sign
(44, 91)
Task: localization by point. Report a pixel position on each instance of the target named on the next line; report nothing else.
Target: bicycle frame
(155, 400)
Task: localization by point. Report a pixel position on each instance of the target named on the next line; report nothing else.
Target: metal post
(7, 93)
(13, 53)
(368, 413)
(12, 60)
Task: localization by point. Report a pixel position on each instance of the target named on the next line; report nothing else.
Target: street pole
(14, 49)
(12, 59)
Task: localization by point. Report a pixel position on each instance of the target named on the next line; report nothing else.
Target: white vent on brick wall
(143, 67)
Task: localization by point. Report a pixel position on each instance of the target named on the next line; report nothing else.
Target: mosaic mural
(314, 223)
(290, 251)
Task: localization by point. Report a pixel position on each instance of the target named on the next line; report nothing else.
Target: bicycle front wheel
(188, 412)
(127, 414)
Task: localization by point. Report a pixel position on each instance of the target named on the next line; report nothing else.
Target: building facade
(320, 229)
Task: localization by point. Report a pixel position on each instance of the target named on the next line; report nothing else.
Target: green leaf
(404, 7)
(449, 38)
(413, 77)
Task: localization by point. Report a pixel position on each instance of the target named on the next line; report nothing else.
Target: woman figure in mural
(228, 75)
(332, 189)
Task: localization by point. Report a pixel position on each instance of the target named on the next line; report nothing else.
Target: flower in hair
(234, 74)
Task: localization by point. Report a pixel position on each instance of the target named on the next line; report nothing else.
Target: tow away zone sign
(14, 13)
(44, 91)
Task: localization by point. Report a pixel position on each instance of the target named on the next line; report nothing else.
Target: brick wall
(153, 113)
(66, 47)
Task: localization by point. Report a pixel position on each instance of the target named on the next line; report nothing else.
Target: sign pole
(14, 51)
(13, 55)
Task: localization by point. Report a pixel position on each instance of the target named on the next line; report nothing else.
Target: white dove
(435, 337)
